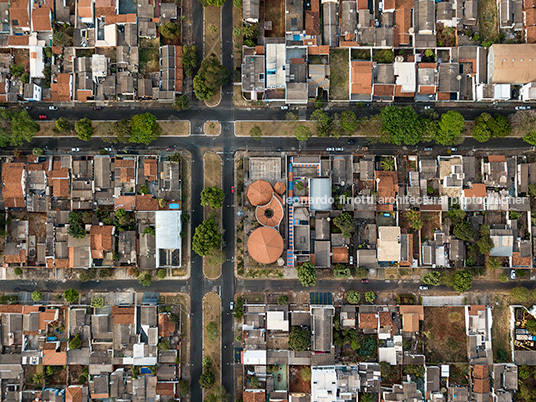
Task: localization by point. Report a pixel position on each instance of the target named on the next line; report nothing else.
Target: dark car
(28, 107)
(97, 107)
(351, 142)
(42, 117)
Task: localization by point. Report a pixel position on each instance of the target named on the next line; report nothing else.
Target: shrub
(70, 295)
(299, 339)
(18, 271)
(282, 300)
(161, 274)
(353, 297)
(37, 296)
(75, 343)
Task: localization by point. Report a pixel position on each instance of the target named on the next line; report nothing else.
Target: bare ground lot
(444, 334)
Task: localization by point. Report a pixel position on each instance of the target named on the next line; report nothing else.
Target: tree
(76, 228)
(484, 243)
(63, 125)
(37, 151)
(164, 345)
(401, 125)
(144, 128)
(282, 300)
(97, 302)
(207, 379)
(18, 271)
(25, 78)
(189, 59)
(161, 274)
(302, 133)
(530, 138)
(348, 122)
(503, 277)
(451, 126)
(217, 394)
(181, 103)
(184, 388)
(84, 129)
(456, 214)
(38, 378)
(37, 296)
(211, 75)
(387, 164)
(345, 223)
(145, 279)
(464, 231)
(75, 342)
(383, 56)
(16, 70)
(341, 271)
(254, 382)
(307, 274)
(23, 128)
(70, 295)
(415, 219)
(432, 278)
(212, 197)
(207, 237)
(481, 131)
(353, 297)
(122, 220)
(255, 133)
(170, 30)
(323, 122)
(299, 339)
(519, 294)
(360, 272)
(61, 39)
(370, 297)
(462, 280)
(212, 330)
(238, 311)
(237, 3)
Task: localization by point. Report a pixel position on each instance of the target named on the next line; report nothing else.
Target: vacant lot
(500, 331)
(300, 379)
(275, 12)
(431, 222)
(339, 69)
(488, 20)
(212, 348)
(175, 127)
(212, 30)
(444, 332)
(149, 60)
(272, 128)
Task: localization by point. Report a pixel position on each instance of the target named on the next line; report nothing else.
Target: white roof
(253, 357)
(275, 321)
(389, 243)
(37, 62)
(406, 76)
(275, 61)
(323, 384)
(168, 230)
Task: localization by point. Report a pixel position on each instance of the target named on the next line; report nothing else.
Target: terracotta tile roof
(165, 327)
(387, 184)
(427, 89)
(312, 23)
(17, 40)
(20, 18)
(101, 239)
(123, 315)
(345, 43)
(518, 261)
(362, 4)
(480, 371)
(47, 317)
(258, 50)
(368, 321)
(83, 95)
(410, 322)
(12, 190)
(60, 90)
(310, 42)
(478, 191)
(73, 393)
(16, 258)
(85, 8)
(443, 96)
(361, 77)
(61, 263)
(339, 254)
(398, 92)
(254, 396)
(57, 50)
(150, 168)
(17, 309)
(496, 158)
(53, 358)
(402, 21)
(42, 18)
(260, 192)
(419, 310)
(481, 386)
(146, 202)
(126, 202)
(315, 6)
(316, 50)
(389, 4)
(60, 187)
(165, 389)
(126, 167)
(530, 34)
(107, 12)
(179, 76)
(385, 318)
(428, 65)
(384, 90)
(123, 19)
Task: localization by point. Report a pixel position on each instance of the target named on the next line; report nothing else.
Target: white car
(330, 149)
(108, 149)
(423, 287)
(513, 274)
(52, 108)
(339, 149)
(231, 306)
(427, 107)
(522, 107)
(76, 149)
(284, 107)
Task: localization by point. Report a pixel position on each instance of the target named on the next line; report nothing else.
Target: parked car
(364, 281)
(284, 107)
(97, 107)
(75, 149)
(339, 149)
(513, 274)
(232, 189)
(427, 107)
(28, 107)
(52, 107)
(108, 149)
(423, 287)
(454, 149)
(351, 142)
(330, 149)
(428, 149)
(42, 117)
(231, 306)
(522, 107)
(351, 260)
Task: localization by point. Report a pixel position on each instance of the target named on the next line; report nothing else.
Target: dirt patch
(339, 70)
(212, 169)
(500, 328)
(175, 127)
(297, 381)
(22, 58)
(431, 221)
(216, 98)
(212, 128)
(444, 334)
(272, 128)
(37, 224)
(274, 11)
(78, 373)
(212, 348)
(212, 28)
(149, 60)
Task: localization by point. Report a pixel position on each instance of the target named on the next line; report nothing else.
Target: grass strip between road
(212, 128)
(212, 168)
(175, 128)
(211, 344)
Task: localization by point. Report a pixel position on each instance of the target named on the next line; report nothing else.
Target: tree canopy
(63, 125)
(353, 297)
(302, 132)
(307, 274)
(299, 339)
(451, 126)
(84, 129)
(484, 243)
(487, 127)
(207, 237)
(462, 280)
(345, 223)
(16, 128)
(70, 295)
(464, 231)
(144, 128)
(189, 59)
(212, 197)
(37, 296)
(432, 278)
(323, 122)
(210, 76)
(170, 30)
(181, 103)
(348, 122)
(401, 125)
(255, 132)
(370, 296)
